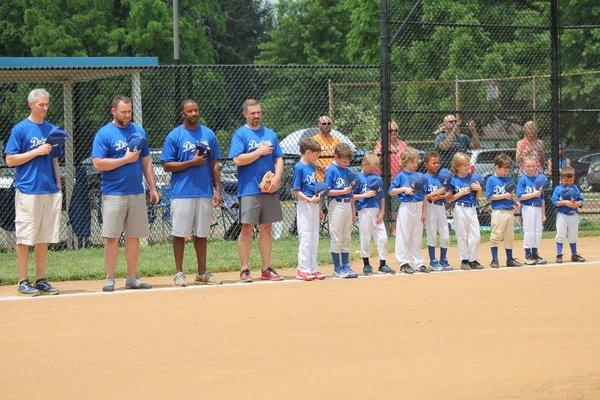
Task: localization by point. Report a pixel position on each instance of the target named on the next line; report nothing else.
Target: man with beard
(120, 152)
(191, 153)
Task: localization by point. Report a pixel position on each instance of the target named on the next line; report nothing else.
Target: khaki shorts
(191, 216)
(124, 212)
(37, 217)
(260, 209)
(502, 228)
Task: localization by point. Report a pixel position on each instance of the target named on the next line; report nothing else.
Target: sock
(573, 248)
(559, 249)
(494, 253)
(431, 250)
(345, 258)
(509, 255)
(527, 252)
(534, 251)
(443, 253)
(336, 260)
(365, 261)
(382, 263)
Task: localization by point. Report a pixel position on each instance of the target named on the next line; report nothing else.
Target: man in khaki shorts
(191, 153)
(38, 198)
(120, 152)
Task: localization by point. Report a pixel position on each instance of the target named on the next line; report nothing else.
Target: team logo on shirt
(340, 182)
(528, 189)
(432, 188)
(499, 190)
(311, 178)
(120, 145)
(253, 144)
(36, 142)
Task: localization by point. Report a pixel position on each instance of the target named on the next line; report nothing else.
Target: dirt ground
(529, 333)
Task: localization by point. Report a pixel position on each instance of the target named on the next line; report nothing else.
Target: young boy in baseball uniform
(411, 213)
(465, 191)
(499, 190)
(567, 199)
(533, 211)
(308, 210)
(370, 204)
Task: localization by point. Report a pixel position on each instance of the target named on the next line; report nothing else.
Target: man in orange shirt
(328, 143)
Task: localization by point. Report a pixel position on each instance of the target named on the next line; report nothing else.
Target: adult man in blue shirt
(123, 198)
(255, 151)
(38, 199)
(191, 153)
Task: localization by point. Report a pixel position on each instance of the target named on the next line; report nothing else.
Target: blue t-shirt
(559, 192)
(37, 175)
(362, 186)
(111, 142)
(246, 140)
(433, 184)
(526, 185)
(496, 185)
(304, 178)
(338, 178)
(180, 146)
(403, 180)
(458, 183)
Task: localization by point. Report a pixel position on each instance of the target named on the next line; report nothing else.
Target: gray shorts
(260, 209)
(191, 216)
(124, 212)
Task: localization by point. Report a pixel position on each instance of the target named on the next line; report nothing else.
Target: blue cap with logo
(136, 142)
(57, 136)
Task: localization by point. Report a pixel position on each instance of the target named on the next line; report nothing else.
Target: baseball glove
(265, 183)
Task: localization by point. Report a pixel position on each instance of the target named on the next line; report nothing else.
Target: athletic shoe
(577, 258)
(245, 276)
(446, 265)
(386, 269)
(424, 269)
(207, 279)
(559, 259)
(270, 274)
(351, 273)
(465, 264)
(318, 275)
(45, 288)
(179, 279)
(436, 266)
(304, 276)
(345, 273)
(530, 260)
(368, 270)
(407, 269)
(25, 288)
(539, 260)
(513, 262)
(109, 285)
(496, 264)
(476, 265)
(136, 283)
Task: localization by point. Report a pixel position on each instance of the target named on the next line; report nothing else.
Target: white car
(482, 160)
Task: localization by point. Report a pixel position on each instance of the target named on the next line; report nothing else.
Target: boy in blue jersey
(411, 213)
(436, 221)
(308, 210)
(533, 211)
(191, 153)
(568, 200)
(370, 204)
(123, 198)
(38, 197)
(255, 151)
(465, 191)
(340, 210)
(499, 190)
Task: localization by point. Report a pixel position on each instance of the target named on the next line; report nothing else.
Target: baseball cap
(57, 136)
(136, 142)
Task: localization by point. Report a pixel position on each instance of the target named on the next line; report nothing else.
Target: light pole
(176, 31)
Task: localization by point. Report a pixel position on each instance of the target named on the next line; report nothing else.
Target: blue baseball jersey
(337, 178)
(559, 192)
(304, 178)
(526, 185)
(111, 142)
(246, 140)
(433, 184)
(180, 146)
(403, 180)
(458, 183)
(37, 175)
(496, 185)
(362, 186)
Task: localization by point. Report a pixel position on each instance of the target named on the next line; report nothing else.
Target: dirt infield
(527, 333)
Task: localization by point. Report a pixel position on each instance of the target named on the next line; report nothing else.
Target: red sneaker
(318, 275)
(304, 276)
(270, 274)
(245, 276)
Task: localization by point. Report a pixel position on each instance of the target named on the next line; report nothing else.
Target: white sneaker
(207, 279)
(179, 279)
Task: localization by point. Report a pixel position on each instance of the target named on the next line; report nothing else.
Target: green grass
(157, 259)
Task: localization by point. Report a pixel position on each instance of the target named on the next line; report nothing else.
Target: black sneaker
(539, 260)
(368, 270)
(476, 265)
(465, 264)
(495, 264)
(386, 269)
(424, 269)
(45, 288)
(530, 260)
(559, 259)
(577, 258)
(407, 269)
(513, 262)
(25, 288)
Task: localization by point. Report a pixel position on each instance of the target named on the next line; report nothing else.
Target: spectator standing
(530, 145)
(450, 141)
(328, 143)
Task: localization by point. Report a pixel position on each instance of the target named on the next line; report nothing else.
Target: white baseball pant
(340, 226)
(307, 219)
(409, 234)
(368, 229)
(436, 223)
(567, 227)
(532, 226)
(466, 226)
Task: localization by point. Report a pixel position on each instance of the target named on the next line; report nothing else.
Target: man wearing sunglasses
(450, 141)
(328, 143)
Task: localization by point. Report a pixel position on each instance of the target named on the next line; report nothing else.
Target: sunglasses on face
(393, 130)
(452, 121)
(325, 123)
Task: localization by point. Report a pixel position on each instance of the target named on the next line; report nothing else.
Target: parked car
(581, 161)
(593, 176)
(482, 161)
